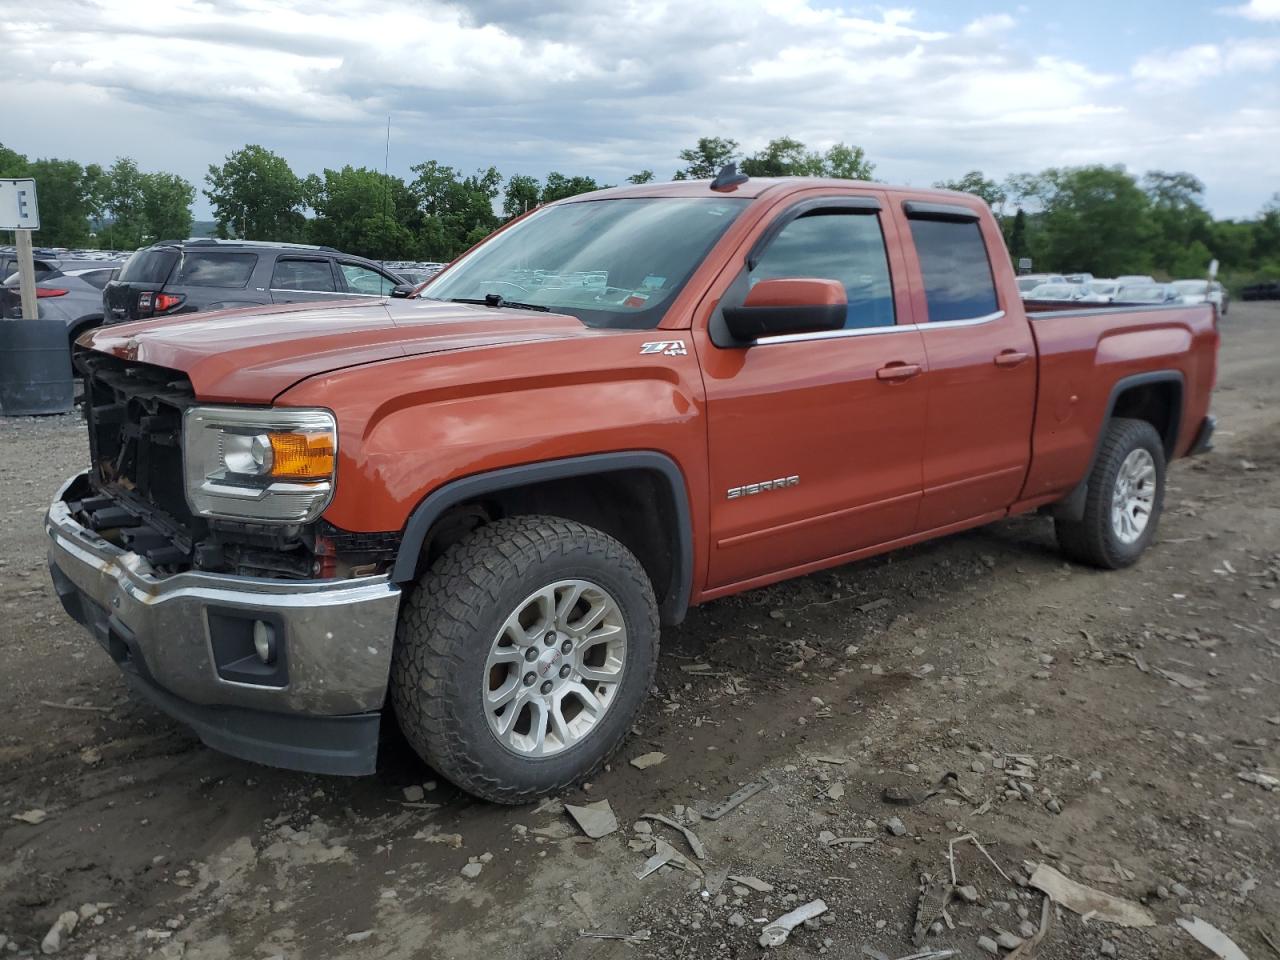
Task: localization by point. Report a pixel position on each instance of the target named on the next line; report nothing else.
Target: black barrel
(35, 368)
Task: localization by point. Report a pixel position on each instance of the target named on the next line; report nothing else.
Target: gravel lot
(1095, 722)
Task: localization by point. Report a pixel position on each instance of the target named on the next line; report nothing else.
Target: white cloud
(1260, 10)
(600, 89)
(1192, 65)
(990, 24)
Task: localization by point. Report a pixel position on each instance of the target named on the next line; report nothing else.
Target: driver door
(815, 439)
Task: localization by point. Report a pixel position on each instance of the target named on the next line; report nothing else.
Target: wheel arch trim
(1072, 507)
(676, 596)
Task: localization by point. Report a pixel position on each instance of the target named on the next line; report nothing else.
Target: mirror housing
(802, 305)
(402, 290)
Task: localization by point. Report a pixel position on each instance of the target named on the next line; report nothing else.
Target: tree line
(1100, 219)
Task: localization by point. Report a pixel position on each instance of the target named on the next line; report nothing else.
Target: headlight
(270, 465)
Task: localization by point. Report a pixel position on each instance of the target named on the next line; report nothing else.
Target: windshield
(1191, 286)
(610, 263)
(1103, 287)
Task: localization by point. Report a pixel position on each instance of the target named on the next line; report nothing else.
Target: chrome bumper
(334, 642)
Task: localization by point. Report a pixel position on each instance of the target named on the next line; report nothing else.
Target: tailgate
(145, 273)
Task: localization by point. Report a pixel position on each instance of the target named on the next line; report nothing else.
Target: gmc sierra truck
(470, 512)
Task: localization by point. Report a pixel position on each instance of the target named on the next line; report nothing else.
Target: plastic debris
(666, 854)
(735, 799)
(640, 936)
(695, 844)
(935, 897)
(1263, 780)
(647, 760)
(752, 883)
(596, 819)
(1213, 938)
(32, 817)
(776, 933)
(1083, 900)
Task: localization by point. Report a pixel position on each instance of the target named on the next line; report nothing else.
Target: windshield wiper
(494, 300)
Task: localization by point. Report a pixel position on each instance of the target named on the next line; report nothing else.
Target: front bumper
(180, 641)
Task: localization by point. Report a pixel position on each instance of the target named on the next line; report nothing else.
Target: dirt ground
(1098, 723)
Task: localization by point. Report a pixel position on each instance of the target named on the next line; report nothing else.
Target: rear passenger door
(298, 279)
(982, 365)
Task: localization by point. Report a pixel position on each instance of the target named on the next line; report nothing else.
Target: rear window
(215, 269)
(96, 278)
(958, 283)
(149, 266)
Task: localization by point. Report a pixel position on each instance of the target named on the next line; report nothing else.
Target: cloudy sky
(930, 90)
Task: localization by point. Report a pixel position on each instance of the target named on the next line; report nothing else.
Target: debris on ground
(639, 936)
(62, 928)
(664, 855)
(776, 933)
(595, 819)
(752, 883)
(32, 817)
(647, 760)
(1083, 900)
(1265, 781)
(695, 844)
(1213, 938)
(895, 826)
(735, 799)
(935, 897)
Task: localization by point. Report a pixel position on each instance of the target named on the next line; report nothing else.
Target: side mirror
(788, 306)
(403, 290)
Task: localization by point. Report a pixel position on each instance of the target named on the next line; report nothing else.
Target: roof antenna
(729, 179)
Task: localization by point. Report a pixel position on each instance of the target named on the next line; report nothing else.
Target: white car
(1202, 291)
(1029, 281)
(1100, 291)
(1146, 293)
(1131, 278)
(1056, 291)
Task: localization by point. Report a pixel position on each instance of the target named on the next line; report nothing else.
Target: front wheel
(523, 656)
(1125, 498)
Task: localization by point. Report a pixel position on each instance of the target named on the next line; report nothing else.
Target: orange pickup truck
(469, 511)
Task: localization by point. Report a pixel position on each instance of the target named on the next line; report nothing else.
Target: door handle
(896, 371)
(1010, 358)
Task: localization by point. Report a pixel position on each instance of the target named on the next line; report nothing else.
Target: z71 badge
(668, 348)
(751, 489)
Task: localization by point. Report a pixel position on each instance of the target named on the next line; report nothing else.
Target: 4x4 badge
(668, 348)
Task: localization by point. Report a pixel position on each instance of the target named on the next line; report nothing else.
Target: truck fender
(1072, 506)
(424, 516)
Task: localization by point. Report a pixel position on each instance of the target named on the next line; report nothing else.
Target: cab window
(836, 244)
(958, 284)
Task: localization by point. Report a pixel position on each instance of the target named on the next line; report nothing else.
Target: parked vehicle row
(1084, 288)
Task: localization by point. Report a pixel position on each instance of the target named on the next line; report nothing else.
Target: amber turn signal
(302, 456)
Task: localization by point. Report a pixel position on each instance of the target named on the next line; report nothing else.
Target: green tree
(120, 199)
(66, 201)
(847, 163)
(783, 157)
(558, 186)
(644, 176)
(454, 208)
(166, 206)
(256, 196)
(1095, 218)
(362, 211)
(1016, 235)
(522, 194)
(1182, 226)
(974, 182)
(12, 163)
(704, 161)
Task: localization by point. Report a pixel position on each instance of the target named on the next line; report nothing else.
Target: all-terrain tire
(447, 627)
(1094, 539)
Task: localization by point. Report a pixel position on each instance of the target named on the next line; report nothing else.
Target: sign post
(19, 213)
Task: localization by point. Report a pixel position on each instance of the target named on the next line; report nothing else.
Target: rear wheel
(1125, 498)
(523, 656)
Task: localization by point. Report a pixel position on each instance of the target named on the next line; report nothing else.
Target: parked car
(1056, 291)
(1084, 278)
(73, 297)
(1100, 291)
(419, 274)
(46, 263)
(1146, 293)
(1029, 281)
(1266, 290)
(1132, 278)
(479, 507)
(188, 276)
(1203, 291)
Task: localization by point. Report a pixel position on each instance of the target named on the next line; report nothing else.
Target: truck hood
(254, 355)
